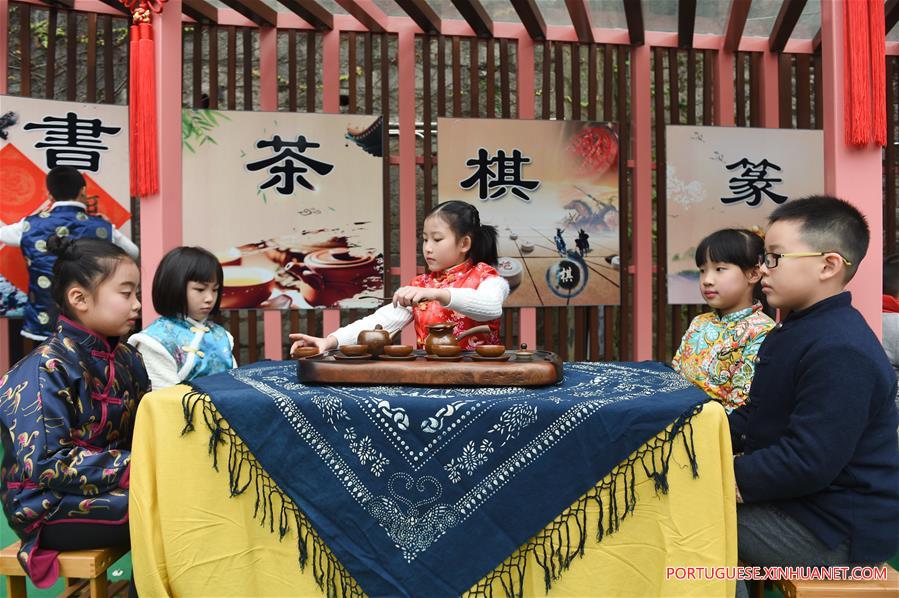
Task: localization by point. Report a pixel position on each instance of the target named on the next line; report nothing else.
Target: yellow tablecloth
(190, 539)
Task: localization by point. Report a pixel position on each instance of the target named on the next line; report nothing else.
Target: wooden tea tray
(542, 369)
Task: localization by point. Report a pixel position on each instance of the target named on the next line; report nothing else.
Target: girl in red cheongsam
(461, 286)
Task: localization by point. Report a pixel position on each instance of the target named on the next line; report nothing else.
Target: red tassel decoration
(857, 73)
(134, 108)
(865, 73)
(876, 19)
(142, 100)
(148, 164)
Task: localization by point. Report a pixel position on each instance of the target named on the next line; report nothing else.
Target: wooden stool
(799, 588)
(80, 568)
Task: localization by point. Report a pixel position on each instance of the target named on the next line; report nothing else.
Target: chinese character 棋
(494, 183)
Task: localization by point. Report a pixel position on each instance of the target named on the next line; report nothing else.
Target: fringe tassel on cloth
(554, 548)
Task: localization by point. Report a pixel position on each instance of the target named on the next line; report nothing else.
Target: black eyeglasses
(771, 259)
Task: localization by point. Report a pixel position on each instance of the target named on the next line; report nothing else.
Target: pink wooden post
(4, 44)
(724, 88)
(641, 132)
(527, 319)
(850, 173)
(268, 101)
(406, 85)
(160, 215)
(331, 103)
(4, 54)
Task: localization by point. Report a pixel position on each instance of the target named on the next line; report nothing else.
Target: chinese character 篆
(495, 183)
(286, 166)
(73, 141)
(752, 182)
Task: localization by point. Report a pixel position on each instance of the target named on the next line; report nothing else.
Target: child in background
(67, 412)
(719, 349)
(184, 343)
(891, 309)
(66, 217)
(461, 287)
(12, 300)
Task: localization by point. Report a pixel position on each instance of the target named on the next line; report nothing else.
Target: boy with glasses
(817, 465)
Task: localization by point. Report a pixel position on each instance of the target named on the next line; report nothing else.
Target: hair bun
(62, 247)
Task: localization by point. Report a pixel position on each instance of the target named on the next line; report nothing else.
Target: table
(190, 539)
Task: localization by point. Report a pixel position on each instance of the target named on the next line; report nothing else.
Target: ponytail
(483, 245)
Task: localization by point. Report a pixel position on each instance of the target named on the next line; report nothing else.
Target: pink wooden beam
(4, 54)
(331, 103)
(508, 30)
(160, 215)
(96, 6)
(527, 317)
(4, 44)
(406, 92)
(641, 131)
(853, 174)
(268, 101)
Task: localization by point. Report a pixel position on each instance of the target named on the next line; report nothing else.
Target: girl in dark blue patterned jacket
(67, 413)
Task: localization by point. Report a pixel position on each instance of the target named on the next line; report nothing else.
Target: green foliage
(196, 126)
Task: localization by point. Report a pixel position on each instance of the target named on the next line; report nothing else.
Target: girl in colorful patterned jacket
(67, 412)
(719, 350)
(461, 286)
(184, 343)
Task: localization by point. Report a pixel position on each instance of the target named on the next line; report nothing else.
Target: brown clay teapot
(375, 339)
(442, 334)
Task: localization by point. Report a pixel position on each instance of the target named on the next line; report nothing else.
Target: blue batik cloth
(424, 491)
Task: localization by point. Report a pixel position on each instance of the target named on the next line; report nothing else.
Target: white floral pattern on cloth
(331, 408)
(402, 513)
(513, 420)
(366, 452)
(472, 458)
(388, 431)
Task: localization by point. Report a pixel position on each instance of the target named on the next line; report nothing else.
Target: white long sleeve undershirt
(482, 304)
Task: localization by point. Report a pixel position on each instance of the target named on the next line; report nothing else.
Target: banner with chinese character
(551, 189)
(35, 136)
(291, 203)
(730, 177)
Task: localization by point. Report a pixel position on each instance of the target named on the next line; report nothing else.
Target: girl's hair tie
(757, 230)
(62, 247)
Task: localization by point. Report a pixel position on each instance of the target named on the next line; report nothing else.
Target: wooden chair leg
(757, 589)
(100, 586)
(74, 587)
(15, 586)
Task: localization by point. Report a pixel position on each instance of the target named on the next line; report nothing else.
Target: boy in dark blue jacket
(817, 459)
